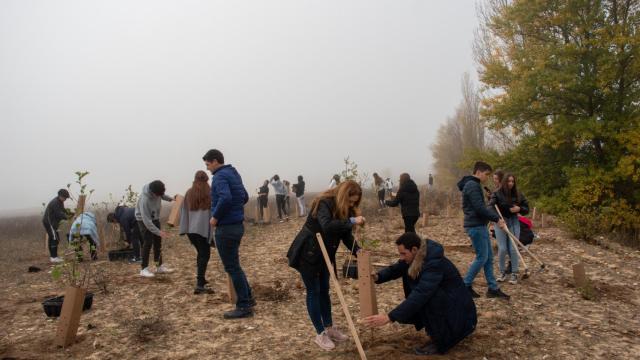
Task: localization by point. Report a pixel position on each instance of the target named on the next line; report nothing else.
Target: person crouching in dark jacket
(126, 218)
(408, 197)
(436, 298)
(333, 215)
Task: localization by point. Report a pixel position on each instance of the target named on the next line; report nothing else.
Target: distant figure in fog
(378, 182)
(335, 181)
(54, 213)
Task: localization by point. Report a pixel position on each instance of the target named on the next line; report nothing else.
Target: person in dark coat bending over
(436, 298)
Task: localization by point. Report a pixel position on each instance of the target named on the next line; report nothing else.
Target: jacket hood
(118, 212)
(410, 186)
(429, 250)
(465, 180)
(146, 192)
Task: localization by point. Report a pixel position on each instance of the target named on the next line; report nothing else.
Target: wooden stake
(343, 303)
(366, 288)
(231, 291)
(542, 221)
(425, 219)
(70, 316)
(80, 206)
(46, 243)
(533, 214)
(579, 275)
(267, 214)
(174, 216)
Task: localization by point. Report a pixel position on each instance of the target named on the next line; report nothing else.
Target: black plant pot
(53, 306)
(350, 270)
(122, 254)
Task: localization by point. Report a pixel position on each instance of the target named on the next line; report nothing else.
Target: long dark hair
(377, 179)
(198, 197)
(512, 195)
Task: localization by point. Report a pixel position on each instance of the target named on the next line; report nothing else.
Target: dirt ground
(160, 318)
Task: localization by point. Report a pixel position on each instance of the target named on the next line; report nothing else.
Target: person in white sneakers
(148, 217)
(55, 213)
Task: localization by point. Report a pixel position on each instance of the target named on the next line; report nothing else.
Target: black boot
(497, 293)
(474, 294)
(239, 313)
(428, 349)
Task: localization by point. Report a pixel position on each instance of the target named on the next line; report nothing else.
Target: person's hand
(376, 320)
(502, 224)
(374, 276)
(360, 220)
(213, 222)
(515, 209)
(164, 234)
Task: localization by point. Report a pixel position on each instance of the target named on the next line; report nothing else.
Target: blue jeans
(228, 243)
(484, 256)
(505, 245)
(318, 300)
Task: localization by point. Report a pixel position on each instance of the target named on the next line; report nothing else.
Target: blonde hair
(340, 194)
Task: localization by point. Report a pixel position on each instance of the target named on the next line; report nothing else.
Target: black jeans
(381, 198)
(136, 242)
(202, 259)
(410, 223)
(281, 207)
(149, 240)
(54, 238)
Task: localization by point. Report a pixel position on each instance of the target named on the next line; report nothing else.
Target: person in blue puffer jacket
(476, 218)
(228, 197)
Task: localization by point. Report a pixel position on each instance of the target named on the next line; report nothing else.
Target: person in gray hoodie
(281, 194)
(148, 217)
(194, 222)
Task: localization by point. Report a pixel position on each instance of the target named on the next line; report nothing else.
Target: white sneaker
(514, 279)
(146, 273)
(336, 335)
(162, 269)
(56, 260)
(502, 277)
(324, 341)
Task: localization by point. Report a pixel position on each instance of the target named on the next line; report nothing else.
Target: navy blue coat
(475, 209)
(228, 196)
(126, 217)
(436, 299)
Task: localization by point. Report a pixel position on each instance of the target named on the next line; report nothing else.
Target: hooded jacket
(148, 209)
(126, 217)
(278, 187)
(228, 196)
(85, 225)
(299, 188)
(435, 296)
(54, 213)
(408, 197)
(475, 210)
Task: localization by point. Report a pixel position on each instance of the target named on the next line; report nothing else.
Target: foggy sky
(134, 91)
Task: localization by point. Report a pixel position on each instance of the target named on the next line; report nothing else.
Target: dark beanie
(157, 187)
(64, 193)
